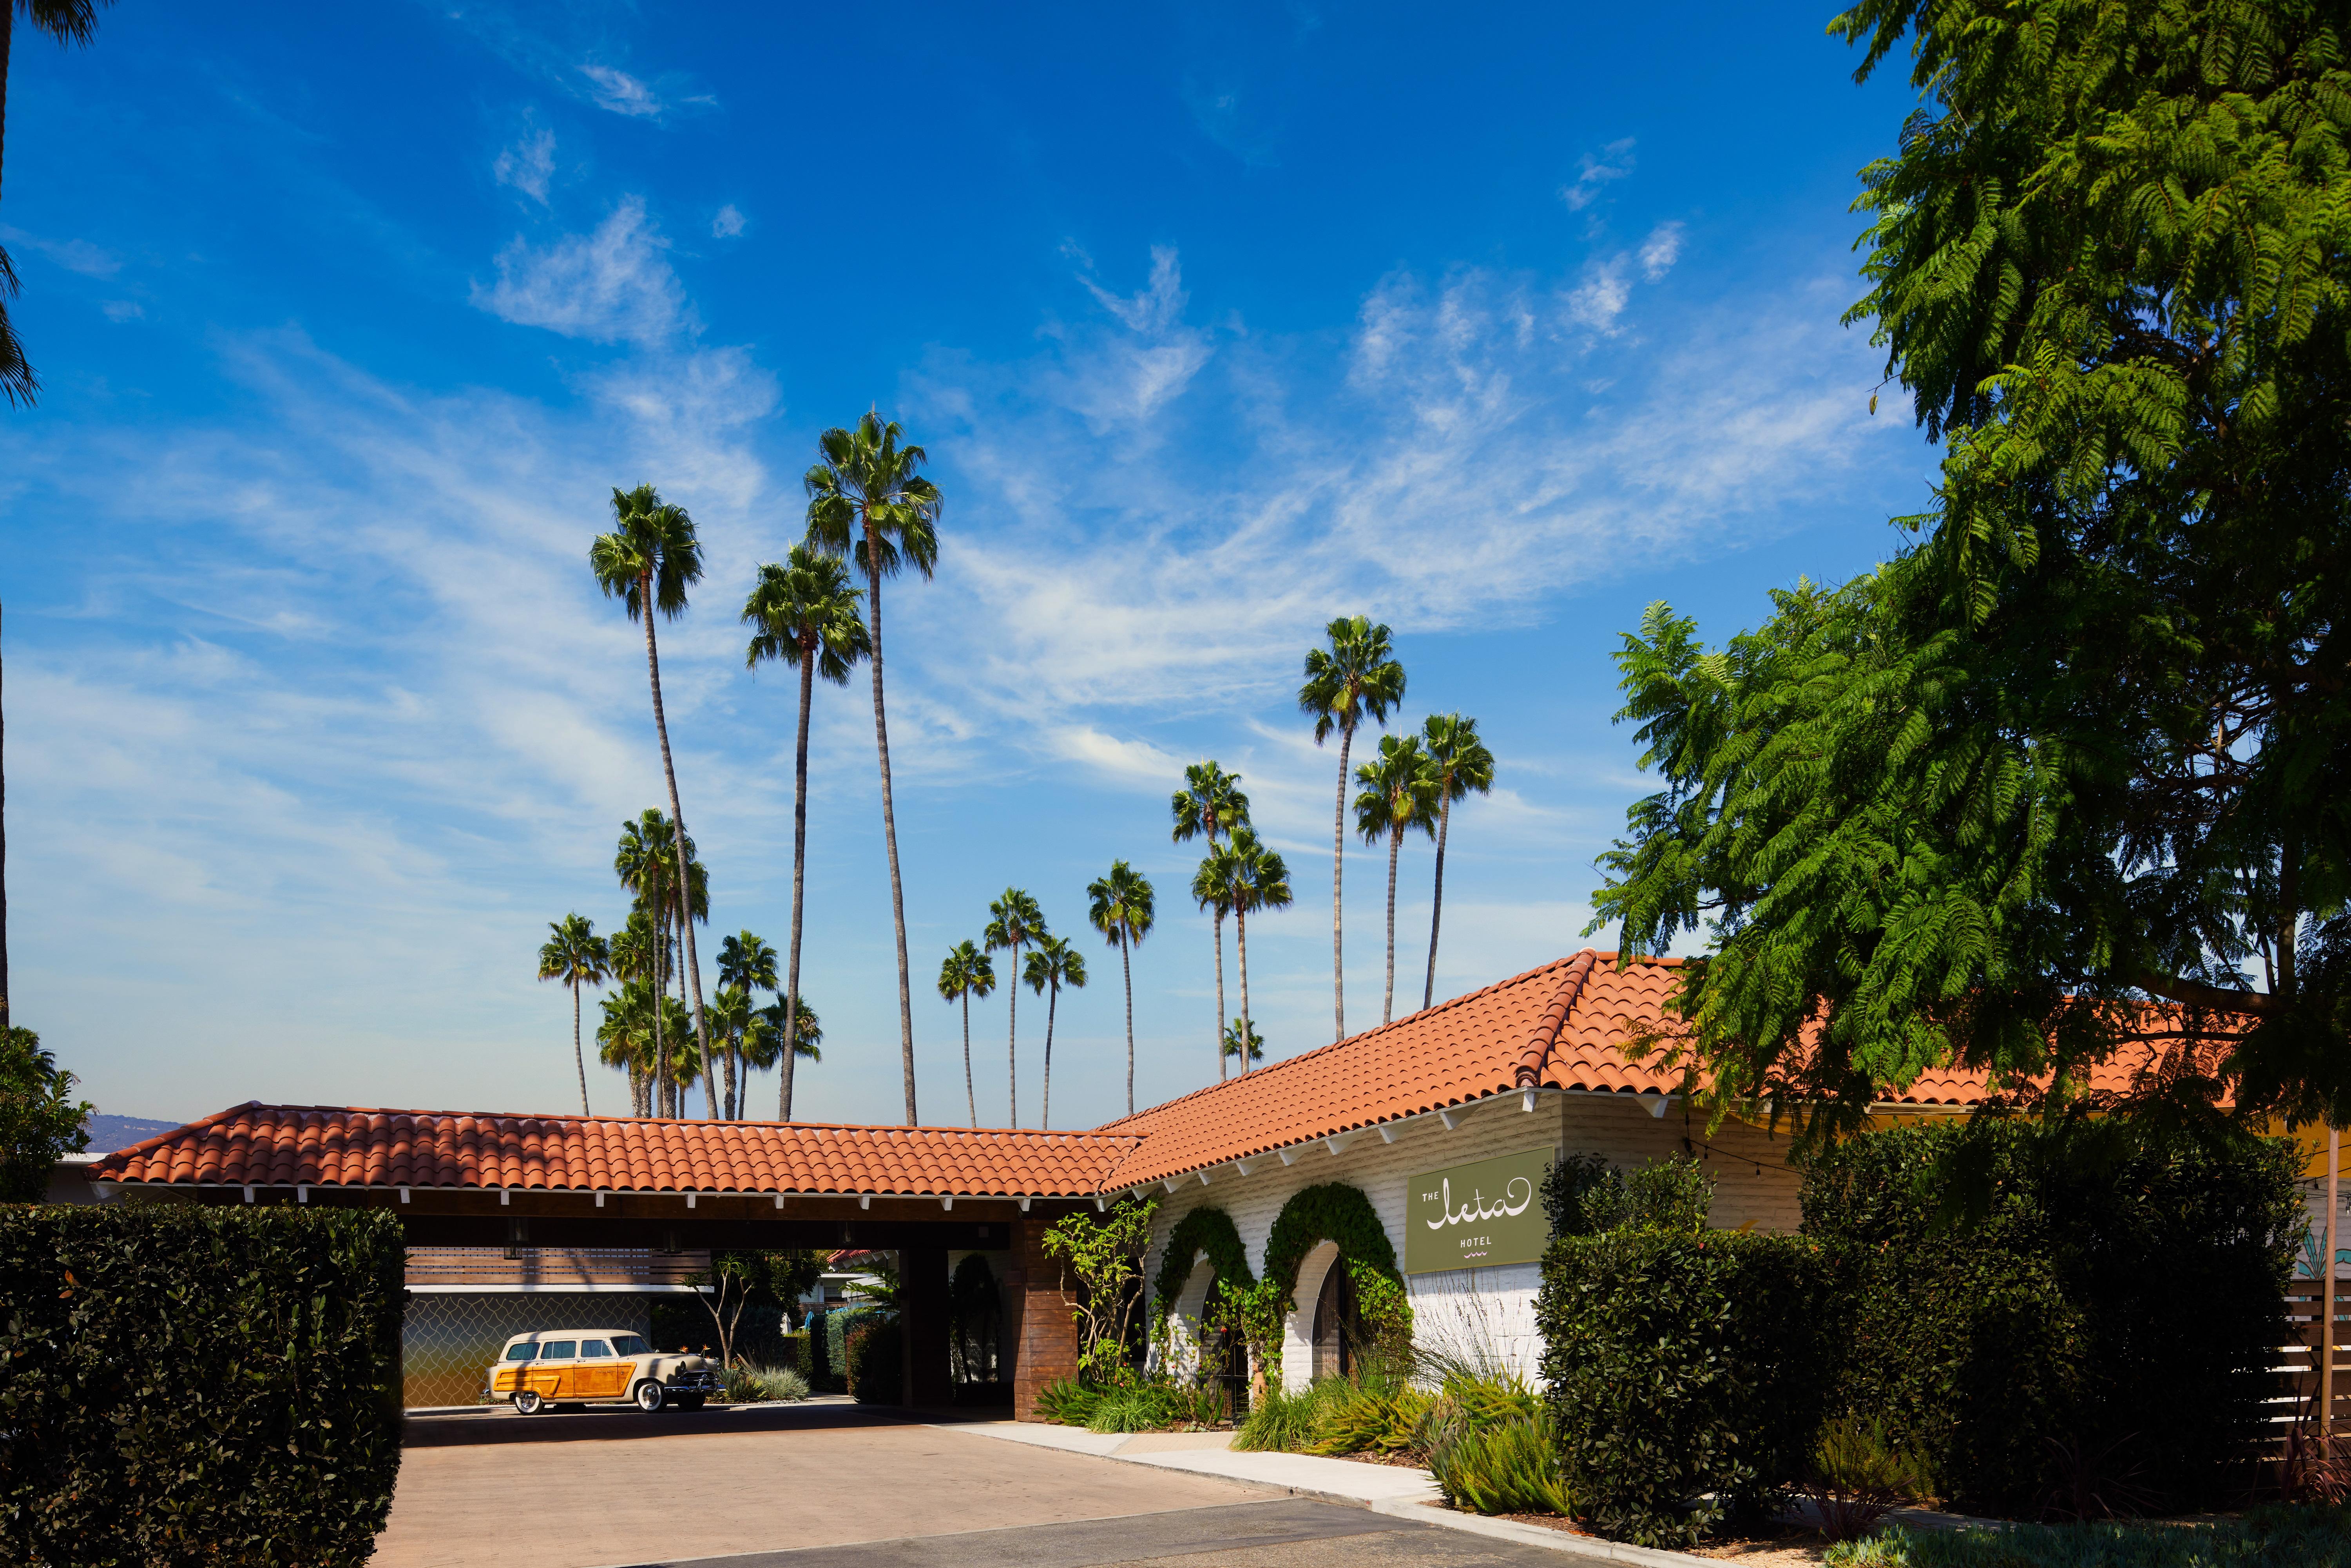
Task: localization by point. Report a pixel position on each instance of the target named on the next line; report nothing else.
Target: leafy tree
(965, 973)
(1212, 890)
(1398, 796)
(1106, 1253)
(1460, 766)
(806, 613)
(576, 955)
(1211, 804)
(1053, 964)
(1015, 923)
(867, 496)
(68, 22)
(1255, 1051)
(646, 860)
(745, 961)
(2080, 745)
(1354, 678)
(1120, 906)
(648, 561)
(765, 1048)
(634, 953)
(1245, 876)
(39, 1118)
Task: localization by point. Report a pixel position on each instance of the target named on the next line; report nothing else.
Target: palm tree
(806, 613)
(1120, 907)
(965, 974)
(1460, 764)
(646, 862)
(1212, 889)
(68, 22)
(648, 561)
(576, 955)
(735, 1022)
(1255, 878)
(865, 495)
(1255, 1049)
(1055, 964)
(803, 1020)
(748, 964)
(1398, 796)
(1354, 679)
(1017, 923)
(1210, 804)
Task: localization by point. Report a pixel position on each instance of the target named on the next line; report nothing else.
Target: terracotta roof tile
(337, 1146)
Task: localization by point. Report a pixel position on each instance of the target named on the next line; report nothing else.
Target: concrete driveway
(833, 1486)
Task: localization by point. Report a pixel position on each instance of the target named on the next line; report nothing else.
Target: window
(521, 1352)
(558, 1350)
(594, 1347)
(629, 1344)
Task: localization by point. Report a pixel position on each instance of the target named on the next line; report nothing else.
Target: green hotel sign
(1477, 1216)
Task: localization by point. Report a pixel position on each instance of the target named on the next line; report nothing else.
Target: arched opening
(1336, 1324)
(1183, 1348)
(1298, 1329)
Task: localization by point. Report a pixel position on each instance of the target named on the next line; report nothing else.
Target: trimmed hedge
(2108, 1304)
(1680, 1365)
(197, 1386)
(876, 1370)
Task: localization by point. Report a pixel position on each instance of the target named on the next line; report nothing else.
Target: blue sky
(1218, 321)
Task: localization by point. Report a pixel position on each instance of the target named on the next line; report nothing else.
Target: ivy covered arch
(1340, 1213)
(1207, 1229)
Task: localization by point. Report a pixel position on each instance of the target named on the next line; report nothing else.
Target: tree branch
(2197, 994)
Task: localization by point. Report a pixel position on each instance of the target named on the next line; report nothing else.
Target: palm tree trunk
(1338, 867)
(1012, 1035)
(578, 1060)
(684, 873)
(1220, 996)
(1126, 967)
(970, 1096)
(730, 1054)
(1240, 942)
(1437, 903)
(1387, 1000)
(1052, 1006)
(660, 988)
(799, 882)
(890, 832)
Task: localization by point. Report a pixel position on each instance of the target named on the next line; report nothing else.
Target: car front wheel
(528, 1403)
(650, 1396)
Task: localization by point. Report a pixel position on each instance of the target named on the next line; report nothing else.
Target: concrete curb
(1536, 1536)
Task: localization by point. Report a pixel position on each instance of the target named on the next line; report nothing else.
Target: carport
(475, 1180)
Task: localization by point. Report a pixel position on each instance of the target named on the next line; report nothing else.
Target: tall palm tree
(1461, 765)
(735, 1024)
(68, 22)
(1354, 678)
(576, 955)
(624, 1039)
(1120, 907)
(748, 964)
(1398, 796)
(806, 613)
(1252, 1050)
(1053, 964)
(646, 862)
(1211, 804)
(648, 561)
(764, 1047)
(866, 496)
(634, 962)
(1212, 889)
(1256, 878)
(1016, 922)
(967, 973)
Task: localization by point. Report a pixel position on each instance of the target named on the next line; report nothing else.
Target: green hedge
(197, 1386)
(2033, 1310)
(1680, 1365)
(876, 1369)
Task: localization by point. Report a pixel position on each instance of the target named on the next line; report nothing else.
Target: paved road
(837, 1486)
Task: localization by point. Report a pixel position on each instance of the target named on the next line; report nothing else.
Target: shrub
(1511, 1467)
(1066, 1401)
(1143, 1408)
(2026, 1306)
(1283, 1423)
(1857, 1476)
(876, 1373)
(1685, 1373)
(2264, 1538)
(203, 1385)
(754, 1385)
(1380, 1415)
(1585, 1196)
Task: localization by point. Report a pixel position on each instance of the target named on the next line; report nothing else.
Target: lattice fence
(448, 1342)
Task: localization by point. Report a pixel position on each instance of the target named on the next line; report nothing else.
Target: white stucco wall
(1480, 1309)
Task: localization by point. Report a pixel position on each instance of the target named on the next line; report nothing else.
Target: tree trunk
(1012, 1035)
(1437, 903)
(1126, 967)
(661, 991)
(1338, 867)
(578, 1058)
(889, 833)
(799, 882)
(1220, 996)
(7, 19)
(1052, 1006)
(731, 1055)
(970, 1095)
(685, 875)
(1240, 943)
(1387, 1000)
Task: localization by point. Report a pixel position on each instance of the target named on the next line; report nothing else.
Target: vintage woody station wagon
(562, 1366)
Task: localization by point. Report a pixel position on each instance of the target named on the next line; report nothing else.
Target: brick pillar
(922, 1331)
(1042, 1329)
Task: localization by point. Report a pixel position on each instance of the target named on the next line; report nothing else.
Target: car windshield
(628, 1344)
(521, 1352)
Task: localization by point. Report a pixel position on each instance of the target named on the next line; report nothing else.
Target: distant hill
(108, 1133)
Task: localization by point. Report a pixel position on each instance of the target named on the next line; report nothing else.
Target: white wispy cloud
(1661, 250)
(728, 223)
(73, 254)
(615, 285)
(1595, 172)
(621, 93)
(527, 164)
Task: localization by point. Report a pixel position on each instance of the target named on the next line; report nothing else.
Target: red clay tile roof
(330, 1147)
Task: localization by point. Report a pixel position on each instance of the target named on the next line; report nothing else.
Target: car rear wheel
(528, 1403)
(650, 1396)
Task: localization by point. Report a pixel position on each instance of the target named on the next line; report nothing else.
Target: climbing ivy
(1338, 1213)
(1206, 1229)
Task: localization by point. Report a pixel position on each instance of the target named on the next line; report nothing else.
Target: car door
(551, 1373)
(511, 1369)
(599, 1373)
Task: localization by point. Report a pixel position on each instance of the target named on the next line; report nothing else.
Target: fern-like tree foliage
(2081, 745)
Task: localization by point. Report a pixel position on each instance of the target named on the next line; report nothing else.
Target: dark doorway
(1334, 1323)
